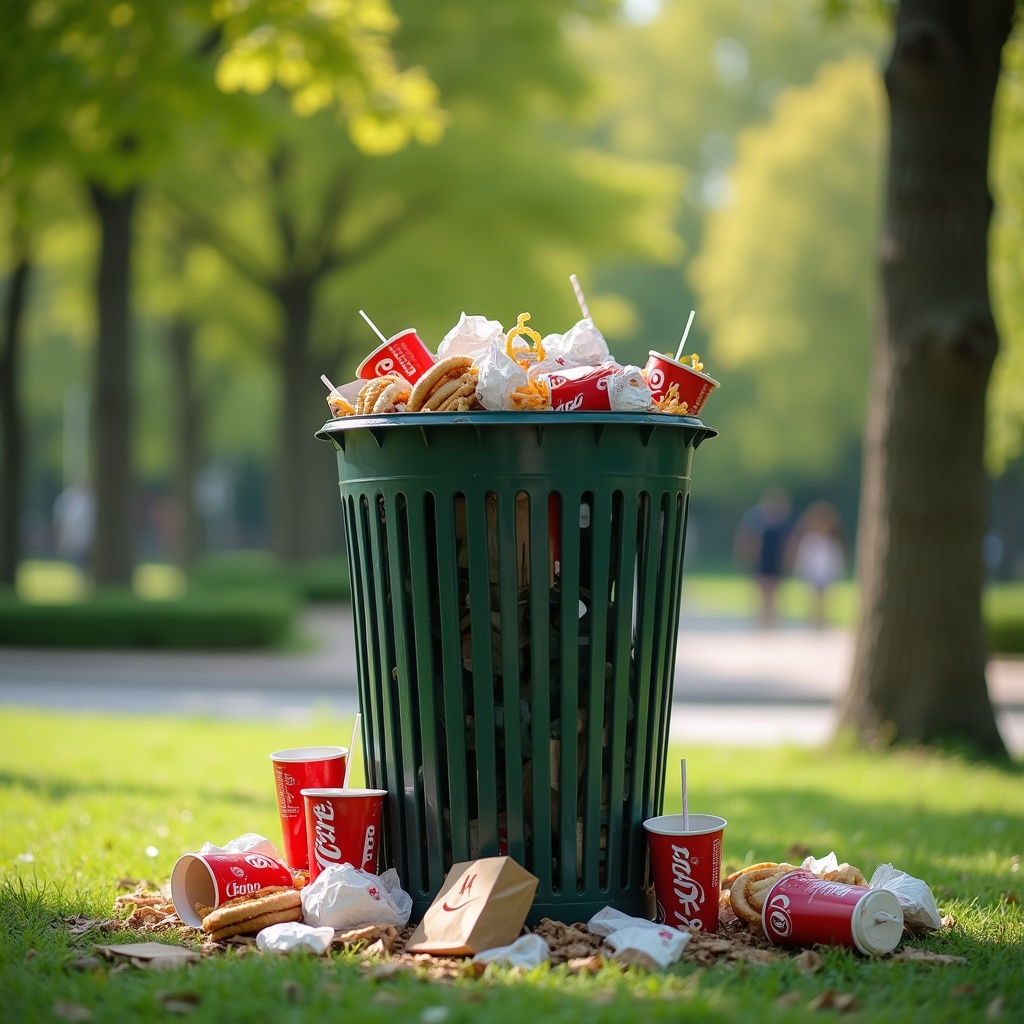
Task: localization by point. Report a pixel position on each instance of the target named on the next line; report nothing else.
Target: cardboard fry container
(482, 904)
(214, 878)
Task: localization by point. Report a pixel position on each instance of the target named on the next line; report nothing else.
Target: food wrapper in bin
(498, 376)
(295, 937)
(598, 388)
(482, 904)
(472, 336)
(343, 896)
(582, 345)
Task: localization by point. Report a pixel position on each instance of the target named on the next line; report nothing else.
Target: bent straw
(682, 340)
(373, 326)
(323, 377)
(351, 749)
(579, 296)
(686, 802)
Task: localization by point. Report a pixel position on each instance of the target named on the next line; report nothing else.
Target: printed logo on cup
(383, 366)
(370, 846)
(325, 848)
(777, 916)
(656, 379)
(688, 890)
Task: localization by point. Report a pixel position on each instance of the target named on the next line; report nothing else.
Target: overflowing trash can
(516, 583)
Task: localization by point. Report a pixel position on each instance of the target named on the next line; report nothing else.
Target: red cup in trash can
(403, 353)
(211, 879)
(687, 864)
(343, 826)
(296, 769)
(663, 371)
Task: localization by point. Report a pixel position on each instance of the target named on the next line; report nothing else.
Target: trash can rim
(546, 418)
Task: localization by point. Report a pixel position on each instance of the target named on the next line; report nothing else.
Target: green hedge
(319, 579)
(259, 617)
(1004, 617)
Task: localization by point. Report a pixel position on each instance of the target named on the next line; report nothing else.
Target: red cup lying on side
(663, 371)
(804, 910)
(403, 353)
(214, 878)
(687, 864)
(296, 769)
(343, 826)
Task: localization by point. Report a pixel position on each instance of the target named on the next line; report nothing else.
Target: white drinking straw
(579, 297)
(351, 750)
(373, 326)
(686, 802)
(323, 377)
(682, 340)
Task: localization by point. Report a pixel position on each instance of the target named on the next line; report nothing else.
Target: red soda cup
(343, 827)
(294, 770)
(211, 879)
(802, 909)
(580, 388)
(687, 865)
(663, 371)
(403, 353)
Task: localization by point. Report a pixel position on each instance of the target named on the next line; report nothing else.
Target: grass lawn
(86, 800)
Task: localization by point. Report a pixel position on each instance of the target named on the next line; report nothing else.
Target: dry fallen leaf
(179, 1002)
(808, 961)
(86, 963)
(151, 955)
(788, 999)
(832, 1000)
(585, 964)
(994, 1010)
(923, 954)
(67, 1010)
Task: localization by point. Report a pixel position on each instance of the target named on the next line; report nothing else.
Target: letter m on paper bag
(482, 904)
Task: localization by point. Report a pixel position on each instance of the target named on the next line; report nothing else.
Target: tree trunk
(919, 663)
(189, 415)
(305, 492)
(113, 554)
(12, 481)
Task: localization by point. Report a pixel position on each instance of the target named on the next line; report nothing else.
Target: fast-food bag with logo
(482, 904)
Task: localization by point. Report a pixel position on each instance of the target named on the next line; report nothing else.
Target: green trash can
(515, 592)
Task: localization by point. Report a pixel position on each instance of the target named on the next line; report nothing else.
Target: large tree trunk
(189, 415)
(11, 483)
(113, 554)
(305, 493)
(919, 664)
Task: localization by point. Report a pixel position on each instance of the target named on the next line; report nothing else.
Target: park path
(734, 683)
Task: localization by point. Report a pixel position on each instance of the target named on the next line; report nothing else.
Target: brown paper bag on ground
(482, 904)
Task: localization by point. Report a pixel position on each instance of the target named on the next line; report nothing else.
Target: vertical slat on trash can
(623, 685)
(509, 630)
(541, 557)
(486, 804)
(390, 713)
(568, 704)
(405, 696)
(421, 634)
(596, 798)
(450, 642)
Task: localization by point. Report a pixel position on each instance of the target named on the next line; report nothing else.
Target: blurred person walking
(818, 554)
(760, 547)
(74, 523)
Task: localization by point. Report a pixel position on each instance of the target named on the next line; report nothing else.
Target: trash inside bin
(515, 591)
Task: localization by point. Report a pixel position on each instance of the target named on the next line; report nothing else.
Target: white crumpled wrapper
(919, 907)
(251, 842)
(637, 940)
(498, 376)
(648, 947)
(609, 920)
(582, 345)
(343, 896)
(628, 391)
(472, 336)
(295, 937)
(527, 951)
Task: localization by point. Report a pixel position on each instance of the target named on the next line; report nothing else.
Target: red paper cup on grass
(403, 353)
(686, 864)
(343, 826)
(804, 910)
(296, 769)
(214, 878)
(663, 371)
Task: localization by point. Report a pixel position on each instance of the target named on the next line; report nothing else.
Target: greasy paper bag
(482, 904)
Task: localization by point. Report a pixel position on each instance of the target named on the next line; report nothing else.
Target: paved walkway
(733, 684)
